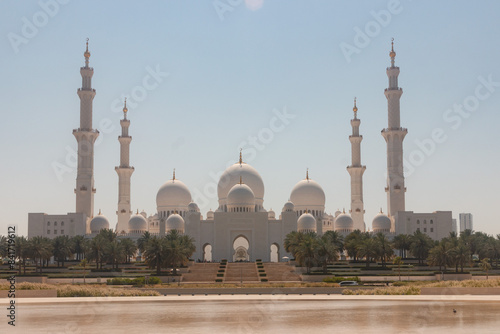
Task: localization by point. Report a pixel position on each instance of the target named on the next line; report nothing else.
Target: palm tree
(351, 244)
(97, 249)
(129, 248)
(292, 242)
(114, 252)
(369, 249)
(336, 239)
(398, 261)
(22, 252)
(485, 266)
(83, 264)
(4, 248)
(62, 248)
(327, 251)
(154, 253)
(384, 247)
(440, 255)
(40, 249)
(420, 245)
(306, 251)
(402, 243)
(78, 246)
(460, 255)
(143, 240)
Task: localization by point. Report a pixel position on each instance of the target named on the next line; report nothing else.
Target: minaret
(85, 136)
(394, 135)
(124, 172)
(356, 171)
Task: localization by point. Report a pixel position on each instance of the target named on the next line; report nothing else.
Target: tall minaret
(356, 171)
(124, 172)
(394, 135)
(85, 136)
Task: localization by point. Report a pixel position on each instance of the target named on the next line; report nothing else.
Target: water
(273, 314)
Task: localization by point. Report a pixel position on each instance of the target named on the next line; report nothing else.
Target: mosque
(240, 228)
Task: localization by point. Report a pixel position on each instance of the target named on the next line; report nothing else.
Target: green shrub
(262, 274)
(218, 280)
(220, 275)
(262, 271)
(263, 280)
(340, 279)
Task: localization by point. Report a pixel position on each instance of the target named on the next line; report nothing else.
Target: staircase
(201, 272)
(241, 271)
(281, 272)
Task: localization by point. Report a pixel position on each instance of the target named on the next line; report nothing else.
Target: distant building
(454, 225)
(436, 225)
(466, 222)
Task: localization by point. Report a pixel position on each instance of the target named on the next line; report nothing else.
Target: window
(425, 229)
(432, 222)
(418, 229)
(55, 231)
(48, 223)
(55, 223)
(432, 229)
(62, 231)
(425, 221)
(418, 221)
(62, 223)
(48, 231)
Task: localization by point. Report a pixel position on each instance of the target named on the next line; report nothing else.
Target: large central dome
(232, 176)
(173, 194)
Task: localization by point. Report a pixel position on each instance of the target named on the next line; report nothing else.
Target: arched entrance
(207, 253)
(241, 247)
(275, 253)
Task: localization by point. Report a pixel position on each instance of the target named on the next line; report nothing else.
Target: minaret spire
(307, 173)
(173, 176)
(241, 158)
(124, 172)
(85, 136)
(356, 171)
(394, 135)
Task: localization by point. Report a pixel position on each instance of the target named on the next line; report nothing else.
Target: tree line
(456, 251)
(170, 251)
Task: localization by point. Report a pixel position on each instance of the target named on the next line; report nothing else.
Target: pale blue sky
(226, 76)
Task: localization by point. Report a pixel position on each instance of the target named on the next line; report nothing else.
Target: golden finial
(392, 54)
(99, 212)
(306, 211)
(241, 158)
(173, 177)
(241, 179)
(381, 210)
(87, 53)
(125, 108)
(137, 212)
(307, 174)
(343, 210)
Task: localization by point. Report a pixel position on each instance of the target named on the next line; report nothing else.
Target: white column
(356, 171)
(394, 135)
(85, 136)
(124, 172)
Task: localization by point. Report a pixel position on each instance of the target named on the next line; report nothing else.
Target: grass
(393, 290)
(101, 291)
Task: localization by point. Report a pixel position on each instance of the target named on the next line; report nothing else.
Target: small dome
(271, 214)
(137, 223)
(337, 213)
(288, 207)
(173, 193)
(174, 222)
(381, 223)
(210, 215)
(144, 214)
(306, 223)
(239, 195)
(344, 222)
(98, 223)
(193, 207)
(307, 194)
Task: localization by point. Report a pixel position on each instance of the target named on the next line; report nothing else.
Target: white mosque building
(240, 228)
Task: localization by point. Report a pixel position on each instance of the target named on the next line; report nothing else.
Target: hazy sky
(203, 77)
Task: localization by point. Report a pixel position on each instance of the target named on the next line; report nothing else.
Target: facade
(466, 222)
(241, 228)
